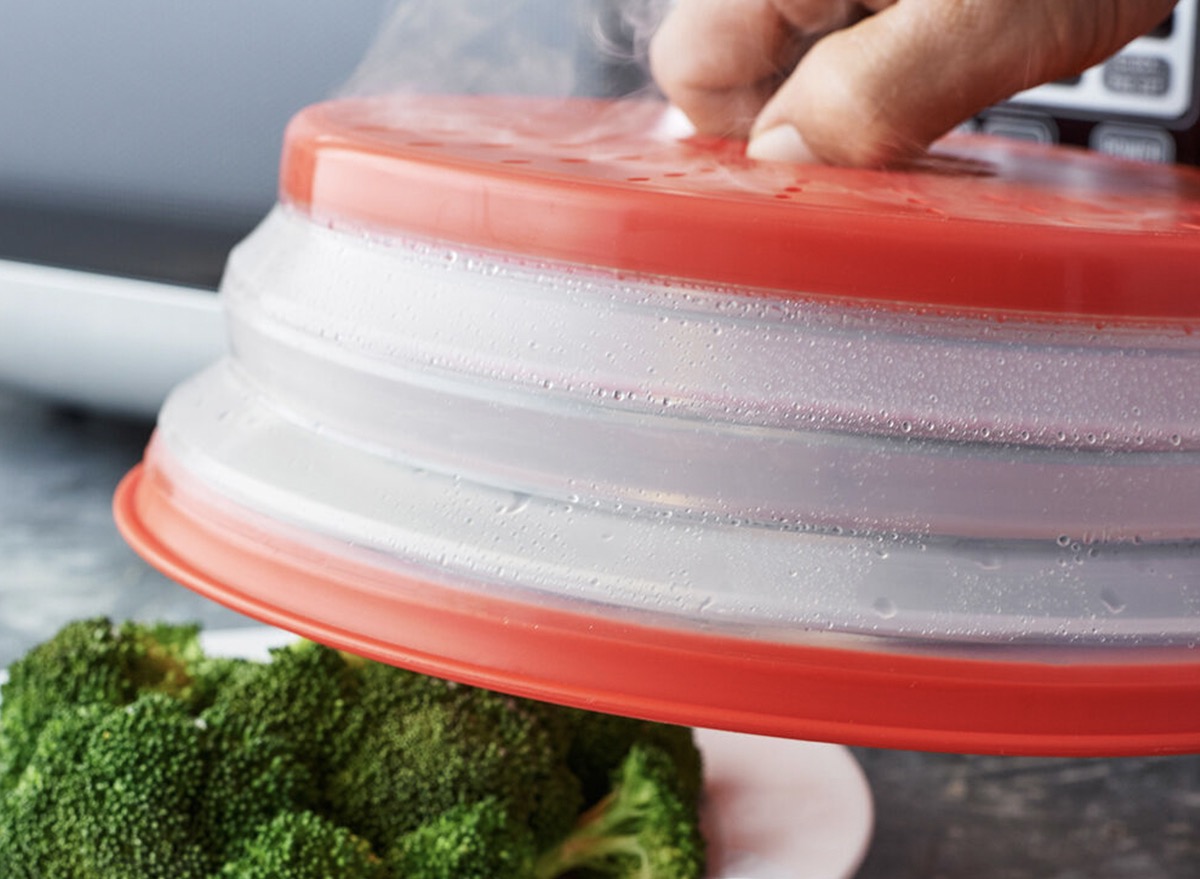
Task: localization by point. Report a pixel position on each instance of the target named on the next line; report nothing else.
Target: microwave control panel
(1139, 104)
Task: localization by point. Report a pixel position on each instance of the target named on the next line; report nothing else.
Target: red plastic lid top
(981, 224)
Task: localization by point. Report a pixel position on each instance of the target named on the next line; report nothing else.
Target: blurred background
(140, 142)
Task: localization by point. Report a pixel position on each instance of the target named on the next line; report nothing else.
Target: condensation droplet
(518, 503)
(1064, 540)
(885, 607)
(1112, 601)
(990, 563)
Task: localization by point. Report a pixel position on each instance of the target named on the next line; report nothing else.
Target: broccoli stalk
(642, 829)
(599, 743)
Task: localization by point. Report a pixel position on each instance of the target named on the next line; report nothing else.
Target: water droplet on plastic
(1064, 540)
(885, 608)
(1112, 601)
(991, 563)
(518, 503)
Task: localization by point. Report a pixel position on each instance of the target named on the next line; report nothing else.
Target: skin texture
(873, 83)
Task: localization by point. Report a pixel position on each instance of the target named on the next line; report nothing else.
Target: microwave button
(1142, 143)
(1137, 75)
(1033, 128)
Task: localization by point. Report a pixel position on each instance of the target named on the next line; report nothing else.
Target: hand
(873, 83)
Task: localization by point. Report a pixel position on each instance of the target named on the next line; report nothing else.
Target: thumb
(883, 90)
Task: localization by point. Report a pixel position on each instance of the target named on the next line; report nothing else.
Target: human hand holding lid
(825, 80)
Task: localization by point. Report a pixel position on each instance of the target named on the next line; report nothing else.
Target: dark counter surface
(938, 816)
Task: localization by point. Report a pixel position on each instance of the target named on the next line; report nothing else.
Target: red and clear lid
(547, 397)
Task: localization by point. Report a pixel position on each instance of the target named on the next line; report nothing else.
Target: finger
(883, 90)
(817, 16)
(720, 60)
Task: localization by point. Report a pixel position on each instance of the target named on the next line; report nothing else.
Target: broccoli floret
(136, 786)
(251, 777)
(643, 829)
(304, 695)
(163, 657)
(89, 661)
(448, 746)
(303, 845)
(126, 803)
(481, 840)
(32, 827)
(600, 742)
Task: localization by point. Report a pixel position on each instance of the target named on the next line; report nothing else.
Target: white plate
(774, 808)
(107, 343)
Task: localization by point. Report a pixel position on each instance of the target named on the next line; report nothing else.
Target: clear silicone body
(694, 453)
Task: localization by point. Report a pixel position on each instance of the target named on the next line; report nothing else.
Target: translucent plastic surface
(721, 460)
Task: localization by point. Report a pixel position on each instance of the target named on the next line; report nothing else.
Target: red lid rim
(875, 699)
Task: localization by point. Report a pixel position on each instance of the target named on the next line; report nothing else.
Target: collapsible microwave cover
(552, 397)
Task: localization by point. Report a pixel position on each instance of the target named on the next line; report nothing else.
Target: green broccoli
(305, 694)
(32, 826)
(125, 753)
(251, 776)
(123, 808)
(89, 661)
(642, 829)
(480, 840)
(600, 742)
(441, 745)
(303, 845)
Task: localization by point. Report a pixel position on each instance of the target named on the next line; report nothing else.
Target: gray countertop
(939, 816)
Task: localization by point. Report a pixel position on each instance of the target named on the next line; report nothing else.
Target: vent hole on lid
(515, 161)
(783, 196)
(675, 174)
(572, 160)
(793, 189)
(638, 179)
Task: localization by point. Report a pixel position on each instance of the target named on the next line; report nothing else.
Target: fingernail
(782, 143)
